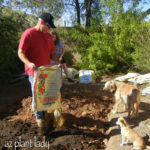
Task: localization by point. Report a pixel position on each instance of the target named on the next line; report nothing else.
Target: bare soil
(89, 123)
(85, 115)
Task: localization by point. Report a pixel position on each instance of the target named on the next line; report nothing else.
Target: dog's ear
(123, 121)
(113, 86)
(107, 86)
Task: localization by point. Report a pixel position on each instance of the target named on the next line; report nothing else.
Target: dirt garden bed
(87, 113)
(84, 107)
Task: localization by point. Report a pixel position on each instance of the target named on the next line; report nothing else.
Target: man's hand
(32, 66)
(25, 60)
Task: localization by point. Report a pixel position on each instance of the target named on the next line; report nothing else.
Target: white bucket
(86, 76)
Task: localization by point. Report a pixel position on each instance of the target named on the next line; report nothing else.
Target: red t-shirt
(38, 47)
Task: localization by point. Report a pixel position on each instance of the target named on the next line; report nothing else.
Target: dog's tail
(147, 147)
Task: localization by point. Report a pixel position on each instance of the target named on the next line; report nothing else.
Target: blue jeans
(40, 114)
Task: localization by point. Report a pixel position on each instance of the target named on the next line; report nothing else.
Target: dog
(128, 94)
(129, 134)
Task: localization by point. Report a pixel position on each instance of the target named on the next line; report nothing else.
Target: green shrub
(141, 56)
(12, 24)
(69, 58)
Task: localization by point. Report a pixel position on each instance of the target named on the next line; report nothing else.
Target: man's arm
(24, 59)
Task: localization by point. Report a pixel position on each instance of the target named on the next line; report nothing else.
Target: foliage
(114, 42)
(36, 7)
(141, 55)
(79, 41)
(108, 47)
(84, 12)
(11, 25)
(69, 58)
(111, 49)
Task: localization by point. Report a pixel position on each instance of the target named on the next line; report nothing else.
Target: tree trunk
(78, 12)
(88, 4)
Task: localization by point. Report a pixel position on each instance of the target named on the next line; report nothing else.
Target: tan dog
(129, 134)
(128, 94)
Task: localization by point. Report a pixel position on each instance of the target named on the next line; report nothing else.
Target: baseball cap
(48, 18)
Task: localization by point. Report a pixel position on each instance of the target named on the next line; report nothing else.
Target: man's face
(44, 27)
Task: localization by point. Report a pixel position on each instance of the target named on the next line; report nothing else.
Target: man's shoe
(42, 127)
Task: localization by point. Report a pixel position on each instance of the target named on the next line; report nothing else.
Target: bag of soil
(46, 92)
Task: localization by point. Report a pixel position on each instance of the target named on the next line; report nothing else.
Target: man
(35, 49)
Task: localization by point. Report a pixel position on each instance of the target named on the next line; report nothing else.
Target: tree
(84, 10)
(36, 7)
(142, 49)
(74, 7)
(88, 4)
(112, 46)
(78, 11)
(145, 14)
(12, 23)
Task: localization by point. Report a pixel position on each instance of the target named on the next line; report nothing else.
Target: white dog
(129, 134)
(128, 94)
